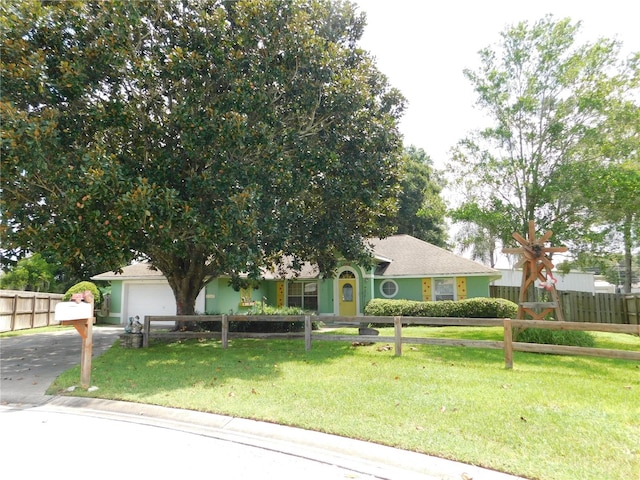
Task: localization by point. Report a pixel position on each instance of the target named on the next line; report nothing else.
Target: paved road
(30, 363)
(71, 437)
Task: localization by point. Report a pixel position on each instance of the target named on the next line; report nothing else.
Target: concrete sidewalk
(72, 437)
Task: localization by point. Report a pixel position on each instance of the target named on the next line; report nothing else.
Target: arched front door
(347, 294)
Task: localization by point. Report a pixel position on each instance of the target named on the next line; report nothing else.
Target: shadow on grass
(168, 366)
(203, 364)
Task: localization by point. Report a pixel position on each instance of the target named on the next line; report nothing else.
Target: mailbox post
(79, 313)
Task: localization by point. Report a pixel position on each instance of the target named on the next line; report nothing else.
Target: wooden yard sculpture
(536, 265)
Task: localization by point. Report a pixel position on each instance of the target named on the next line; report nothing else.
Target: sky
(423, 46)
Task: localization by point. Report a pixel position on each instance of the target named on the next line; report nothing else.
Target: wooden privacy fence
(508, 345)
(21, 310)
(587, 307)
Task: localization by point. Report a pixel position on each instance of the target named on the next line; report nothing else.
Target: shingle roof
(410, 256)
(398, 256)
(136, 271)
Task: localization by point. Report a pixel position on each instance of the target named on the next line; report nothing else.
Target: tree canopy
(30, 273)
(547, 99)
(421, 209)
(209, 137)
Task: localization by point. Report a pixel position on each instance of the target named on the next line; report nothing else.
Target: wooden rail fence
(508, 345)
(587, 307)
(21, 310)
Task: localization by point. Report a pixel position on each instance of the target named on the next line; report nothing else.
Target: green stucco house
(405, 268)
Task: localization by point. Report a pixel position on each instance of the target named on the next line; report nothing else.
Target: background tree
(31, 273)
(609, 190)
(209, 137)
(421, 209)
(480, 232)
(545, 97)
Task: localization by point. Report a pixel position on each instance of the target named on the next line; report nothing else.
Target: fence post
(48, 310)
(397, 325)
(33, 311)
(146, 331)
(14, 313)
(508, 344)
(224, 334)
(307, 332)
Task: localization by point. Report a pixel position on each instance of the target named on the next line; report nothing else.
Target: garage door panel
(153, 299)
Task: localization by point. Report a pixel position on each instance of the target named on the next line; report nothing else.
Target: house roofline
(492, 276)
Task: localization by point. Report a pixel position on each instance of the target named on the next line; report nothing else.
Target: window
(347, 292)
(389, 288)
(303, 295)
(245, 297)
(444, 288)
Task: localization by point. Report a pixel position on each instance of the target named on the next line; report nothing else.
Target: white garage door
(152, 299)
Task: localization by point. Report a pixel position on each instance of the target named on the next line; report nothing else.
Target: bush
(263, 327)
(81, 288)
(555, 337)
(470, 308)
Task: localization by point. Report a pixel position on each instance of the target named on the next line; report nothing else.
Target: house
(404, 268)
(572, 281)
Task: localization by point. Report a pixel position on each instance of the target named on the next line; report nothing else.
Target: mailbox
(73, 311)
(79, 313)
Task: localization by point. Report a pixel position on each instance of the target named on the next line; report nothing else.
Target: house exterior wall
(408, 288)
(219, 297)
(419, 289)
(478, 287)
(115, 305)
(325, 296)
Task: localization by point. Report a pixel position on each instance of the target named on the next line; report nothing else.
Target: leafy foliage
(421, 209)
(207, 137)
(468, 308)
(82, 287)
(30, 273)
(549, 100)
(262, 327)
(574, 338)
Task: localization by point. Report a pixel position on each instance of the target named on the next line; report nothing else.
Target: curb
(380, 461)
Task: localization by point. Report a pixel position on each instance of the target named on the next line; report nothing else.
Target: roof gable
(410, 256)
(135, 271)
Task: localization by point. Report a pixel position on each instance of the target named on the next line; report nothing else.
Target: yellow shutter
(461, 283)
(280, 295)
(426, 290)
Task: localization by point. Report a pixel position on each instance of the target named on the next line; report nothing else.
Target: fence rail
(508, 345)
(20, 310)
(586, 307)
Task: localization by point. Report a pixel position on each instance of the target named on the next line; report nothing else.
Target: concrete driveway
(30, 363)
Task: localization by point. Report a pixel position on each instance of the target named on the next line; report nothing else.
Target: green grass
(33, 331)
(551, 417)
(48, 329)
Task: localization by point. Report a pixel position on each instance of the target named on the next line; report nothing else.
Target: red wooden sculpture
(536, 265)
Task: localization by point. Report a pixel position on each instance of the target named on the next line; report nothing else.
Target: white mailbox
(73, 311)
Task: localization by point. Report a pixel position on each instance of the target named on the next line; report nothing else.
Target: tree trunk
(186, 281)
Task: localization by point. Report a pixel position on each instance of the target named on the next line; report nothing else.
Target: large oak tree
(209, 137)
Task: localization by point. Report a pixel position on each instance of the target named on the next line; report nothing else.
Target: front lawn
(551, 417)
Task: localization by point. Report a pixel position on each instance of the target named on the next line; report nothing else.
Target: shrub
(81, 287)
(470, 308)
(555, 337)
(263, 327)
